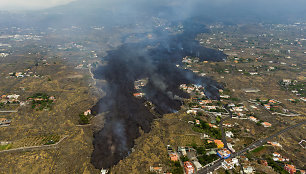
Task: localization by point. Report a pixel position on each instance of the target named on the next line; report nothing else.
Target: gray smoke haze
(121, 12)
(131, 62)
(13, 5)
(270, 10)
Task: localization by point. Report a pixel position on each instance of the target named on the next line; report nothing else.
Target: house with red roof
(290, 168)
(188, 167)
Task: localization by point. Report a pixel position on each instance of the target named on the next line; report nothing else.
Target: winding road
(30, 148)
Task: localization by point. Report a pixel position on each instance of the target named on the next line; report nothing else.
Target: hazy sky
(30, 4)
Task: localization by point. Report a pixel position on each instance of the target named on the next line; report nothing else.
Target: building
(212, 125)
(156, 169)
(189, 169)
(104, 171)
(194, 112)
(182, 150)
(275, 154)
(268, 107)
(3, 54)
(248, 169)
(282, 159)
(225, 96)
(197, 165)
(287, 81)
(303, 143)
(13, 96)
(19, 74)
(272, 101)
(254, 73)
(227, 125)
(4, 121)
(198, 122)
(229, 134)
(229, 164)
(274, 144)
(253, 119)
(264, 162)
(88, 112)
(266, 124)
(251, 90)
(219, 144)
(173, 157)
(230, 147)
(290, 168)
(205, 136)
(139, 95)
(224, 153)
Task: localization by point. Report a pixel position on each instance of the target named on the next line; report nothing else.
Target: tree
(83, 119)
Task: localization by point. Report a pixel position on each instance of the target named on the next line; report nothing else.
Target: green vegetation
(234, 99)
(227, 92)
(259, 123)
(200, 113)
(201, 151)
(258, 149)
(217, 110)
(206, 159)
(210, 145)
(191, 105)
(50, 139)
(276, 167)
(41, 101)
(275, 109)
(83, 119)
(176, 167)
(294, 101)
(204, 127)
(295, 86)
(5, 147)
(184, 158)
(218, 119)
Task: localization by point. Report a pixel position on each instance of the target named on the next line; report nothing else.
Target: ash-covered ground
(156, 59)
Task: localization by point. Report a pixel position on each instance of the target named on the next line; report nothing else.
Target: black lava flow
(155, 59)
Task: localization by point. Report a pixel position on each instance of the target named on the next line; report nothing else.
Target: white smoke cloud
(30, 4)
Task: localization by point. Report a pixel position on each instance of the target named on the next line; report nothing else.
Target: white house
(197, 165)
(229, 134)
(230, 163)
(13, 96)
(248, 169)
(275, 154)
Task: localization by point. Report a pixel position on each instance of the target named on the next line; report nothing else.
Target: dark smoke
(155, 59)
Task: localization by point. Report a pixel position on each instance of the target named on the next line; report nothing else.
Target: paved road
(250, 147)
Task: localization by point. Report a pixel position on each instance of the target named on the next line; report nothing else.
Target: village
(231, 107)
(224, 125)
(263, 93)
(220, 139)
